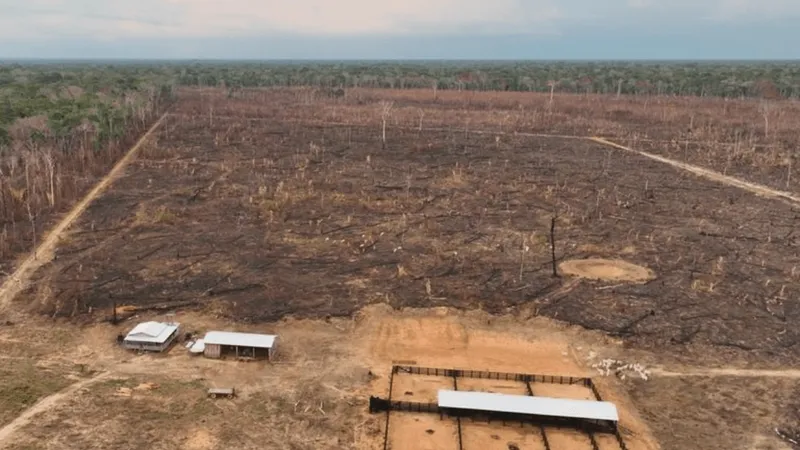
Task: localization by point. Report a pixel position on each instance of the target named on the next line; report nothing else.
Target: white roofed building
(528, 405)
(151, 336)
(240, 345)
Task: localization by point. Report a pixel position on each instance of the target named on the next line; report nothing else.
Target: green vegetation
(104, 100)
(22, 384)
(700, 79)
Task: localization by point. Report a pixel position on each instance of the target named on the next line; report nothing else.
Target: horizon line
(4, 59)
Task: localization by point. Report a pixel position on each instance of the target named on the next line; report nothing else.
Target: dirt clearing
(314, 396)
(408, 431)
(485, 436)
(607, 270)
(464, 342)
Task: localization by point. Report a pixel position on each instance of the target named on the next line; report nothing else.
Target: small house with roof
(151, 336)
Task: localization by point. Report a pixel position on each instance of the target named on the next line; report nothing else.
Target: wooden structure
(590, 417)
(222, 392)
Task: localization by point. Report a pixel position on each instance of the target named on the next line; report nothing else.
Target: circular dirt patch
(607, 270)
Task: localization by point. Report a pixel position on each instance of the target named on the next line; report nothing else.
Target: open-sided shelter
(527, 408)
(240, 345)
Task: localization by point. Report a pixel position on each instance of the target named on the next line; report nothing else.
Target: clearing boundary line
(15, 282)
(757, 189)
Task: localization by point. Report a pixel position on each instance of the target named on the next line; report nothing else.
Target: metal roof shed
(524, 405)
(242, 345)
(151, 336)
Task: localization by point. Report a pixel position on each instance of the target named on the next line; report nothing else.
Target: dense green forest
(102, 99)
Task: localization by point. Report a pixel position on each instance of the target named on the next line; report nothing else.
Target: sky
(400, 29)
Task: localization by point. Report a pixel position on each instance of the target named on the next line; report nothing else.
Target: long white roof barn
(154, 332)
(525, 404)
(234, 339)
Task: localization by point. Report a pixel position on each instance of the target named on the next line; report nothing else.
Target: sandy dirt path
(18, 280)
(728, 372)
(43, 405)
(757, 189)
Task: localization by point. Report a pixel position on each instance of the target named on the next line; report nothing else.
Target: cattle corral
(279, 206)
(537, 418)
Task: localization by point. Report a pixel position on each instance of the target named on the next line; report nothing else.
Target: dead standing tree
(552, 84)
(553, 245)
(765, 108)
(386, 109)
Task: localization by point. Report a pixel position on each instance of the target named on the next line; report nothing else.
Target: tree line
(735, 79)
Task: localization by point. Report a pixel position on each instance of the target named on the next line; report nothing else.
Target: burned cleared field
(275, 207)
(257, 220)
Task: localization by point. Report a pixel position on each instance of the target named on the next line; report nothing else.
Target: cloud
(96, 19)
(109, 20)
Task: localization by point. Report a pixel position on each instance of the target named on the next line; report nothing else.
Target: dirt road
(729, 372)
(43, 405)
(757, 189)
(17, 281)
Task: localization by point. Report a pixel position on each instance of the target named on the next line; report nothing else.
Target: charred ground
(260, 219)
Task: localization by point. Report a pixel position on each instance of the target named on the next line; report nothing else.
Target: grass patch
(22, 384)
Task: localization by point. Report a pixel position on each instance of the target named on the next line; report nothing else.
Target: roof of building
(239, 339)
(198, 346)
(155, 332)
(525, 404)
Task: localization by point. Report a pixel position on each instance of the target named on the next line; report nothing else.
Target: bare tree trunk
(553, 245)
(765, 110)
(48, 159)
(386, 108)
(32, 218)
(522, 252)
(619, 89)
